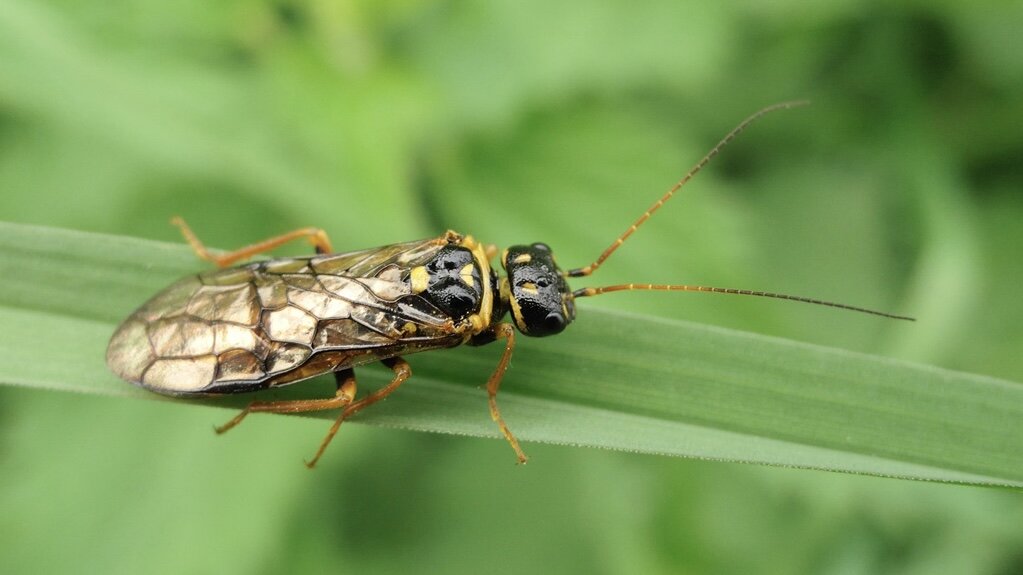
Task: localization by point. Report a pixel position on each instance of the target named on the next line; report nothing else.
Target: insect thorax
(451, 282)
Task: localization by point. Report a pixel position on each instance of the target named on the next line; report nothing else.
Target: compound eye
(554, 322)
(541, 246)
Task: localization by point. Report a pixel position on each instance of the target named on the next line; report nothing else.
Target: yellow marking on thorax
(420, 279)
(477, 323)
(466, 275)
(486, 313)
(522, 259)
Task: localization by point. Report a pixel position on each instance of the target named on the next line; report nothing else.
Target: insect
(276, 322)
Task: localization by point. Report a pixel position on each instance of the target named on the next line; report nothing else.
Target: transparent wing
(280, 321)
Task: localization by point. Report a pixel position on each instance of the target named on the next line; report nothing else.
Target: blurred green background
(898, 189)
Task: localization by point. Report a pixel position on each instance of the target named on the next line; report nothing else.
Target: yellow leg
(402, 371)
(317, 237)
(345, 394)
(503, 331)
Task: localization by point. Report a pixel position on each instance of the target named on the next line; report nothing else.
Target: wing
(280, 321)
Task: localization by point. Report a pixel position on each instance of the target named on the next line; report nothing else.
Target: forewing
(279, 321)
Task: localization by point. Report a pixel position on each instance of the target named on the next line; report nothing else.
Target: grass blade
(614, 381)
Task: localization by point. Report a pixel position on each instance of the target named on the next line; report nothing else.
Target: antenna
(585, 271)
(587, 292)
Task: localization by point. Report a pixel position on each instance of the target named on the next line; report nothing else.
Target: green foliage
(519, 122)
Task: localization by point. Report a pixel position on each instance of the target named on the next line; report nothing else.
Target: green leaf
(614, 381)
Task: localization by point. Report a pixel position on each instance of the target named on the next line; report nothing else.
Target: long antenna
(587, 292)
(585, 271)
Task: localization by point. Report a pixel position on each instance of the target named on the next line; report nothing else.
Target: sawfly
(280, 321)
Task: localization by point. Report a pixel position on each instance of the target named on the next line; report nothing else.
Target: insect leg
(402, 371)
(344, 396)
(503, 331)
(317, 237)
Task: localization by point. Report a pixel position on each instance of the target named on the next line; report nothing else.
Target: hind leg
(317, 237)
(344, 396)
(402, 372)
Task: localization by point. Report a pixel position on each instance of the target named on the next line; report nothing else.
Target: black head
(540, 300)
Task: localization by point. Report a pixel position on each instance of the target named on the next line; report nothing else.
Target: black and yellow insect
(280, 321)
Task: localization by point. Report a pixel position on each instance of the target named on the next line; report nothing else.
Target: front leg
(506, 332)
